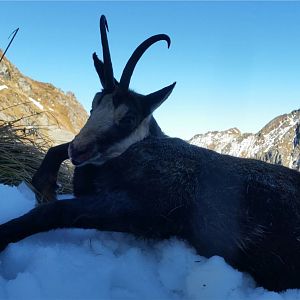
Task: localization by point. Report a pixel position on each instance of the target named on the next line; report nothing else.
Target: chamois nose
(79, 155)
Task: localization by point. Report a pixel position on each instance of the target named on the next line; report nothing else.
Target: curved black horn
(108, 69)
(136, 55)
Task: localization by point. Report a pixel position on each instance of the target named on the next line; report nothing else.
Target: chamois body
(130, 177)
(244, 210)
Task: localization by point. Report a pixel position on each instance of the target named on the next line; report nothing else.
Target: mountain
(57, 114)
(278, 142)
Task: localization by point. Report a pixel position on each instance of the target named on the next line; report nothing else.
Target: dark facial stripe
(114, 135)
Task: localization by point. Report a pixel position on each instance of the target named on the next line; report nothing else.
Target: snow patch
(278, 133)
(36, 103)
(3, 87)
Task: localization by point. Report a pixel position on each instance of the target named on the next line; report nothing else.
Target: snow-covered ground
(86, 264)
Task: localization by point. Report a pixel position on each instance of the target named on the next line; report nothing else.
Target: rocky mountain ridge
(35, 104)
(277, 142)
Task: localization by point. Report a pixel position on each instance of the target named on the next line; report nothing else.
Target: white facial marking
(99, 122)
(141, 132)
(104, 116)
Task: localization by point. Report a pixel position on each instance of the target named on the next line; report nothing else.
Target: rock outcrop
(278, 142)
(39, 105)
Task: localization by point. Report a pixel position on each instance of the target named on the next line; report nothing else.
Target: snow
(88, 264)
(278, 133)
(36, 103)
(219, 139)
(3, 87)
(233, 142)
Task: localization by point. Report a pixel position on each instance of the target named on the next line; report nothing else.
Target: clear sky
(237, 64)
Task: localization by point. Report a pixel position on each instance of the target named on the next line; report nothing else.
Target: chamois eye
(127, 121)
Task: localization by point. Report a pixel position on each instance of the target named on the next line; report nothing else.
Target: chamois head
(119, 116)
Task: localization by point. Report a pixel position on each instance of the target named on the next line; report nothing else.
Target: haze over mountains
(60, 116)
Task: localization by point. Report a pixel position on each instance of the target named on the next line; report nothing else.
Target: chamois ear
(154, 100)
(99, 66)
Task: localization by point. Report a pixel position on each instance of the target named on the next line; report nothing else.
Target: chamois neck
(154, 129)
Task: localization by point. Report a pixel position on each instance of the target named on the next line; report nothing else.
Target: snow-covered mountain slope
(87, 264)
(59, 115)
(278, 142)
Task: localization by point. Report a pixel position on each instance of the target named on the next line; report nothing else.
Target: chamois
(130, 177)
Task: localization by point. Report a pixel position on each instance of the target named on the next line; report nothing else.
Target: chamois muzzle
(79, 155)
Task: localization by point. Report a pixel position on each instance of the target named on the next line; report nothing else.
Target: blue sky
(236, 64)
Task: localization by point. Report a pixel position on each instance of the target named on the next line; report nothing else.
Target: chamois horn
(108, 69)
(136, 55)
